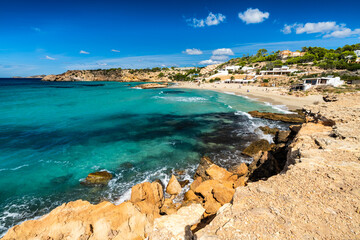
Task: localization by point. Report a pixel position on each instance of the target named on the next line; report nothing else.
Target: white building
(284, 70)
(248, 69)
(232, 68)
(357, 52)
(329, 80)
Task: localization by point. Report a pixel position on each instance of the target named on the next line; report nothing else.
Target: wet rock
(151, 85)
(98, 178)
(205, 163)
(256, 147)
(179, 172)
(240, 170)
(173, 187)
(126, 165)
(62, 179)
(282, 136)
(184, 183)
(291, 118)
(268, 130)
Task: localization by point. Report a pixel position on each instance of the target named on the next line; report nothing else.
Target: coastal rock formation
(268, 130)
(290, 118)
(82, 220)
(255, 147)
(316, 197)
(151, 86)
(98, 178)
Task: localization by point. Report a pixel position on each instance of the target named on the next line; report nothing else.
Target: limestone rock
(240, 182)
(184, 183)
(223, 194)
(82, 220)
(151, 85)
(240, 170)
(211, 206)
(218, 173)
(196, 183)
(256, 147)
(169, 207)
(268, 130)
(190, 196)
(173, 187)
(205, 163)
(205, 188)
(282, 136)
(295, 128)
(175, 226)
(291, 118)
(98, 178)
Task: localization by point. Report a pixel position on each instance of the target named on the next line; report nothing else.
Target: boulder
(295, 128)
(176, 226)
(240, 170)
(151, 193)
(256, 147)
(218, 173)
(173, 187)
(330, 98)
(98, 178)
(291, 118)
(205, 163)
(223, 194)
(205, 188)
(169, 207)
(211, 206)
(268, 130)
(282, 136)
(240, 182)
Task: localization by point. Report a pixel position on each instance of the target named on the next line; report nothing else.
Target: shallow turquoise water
(54, 134)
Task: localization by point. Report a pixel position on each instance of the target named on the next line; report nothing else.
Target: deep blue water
(52, 134)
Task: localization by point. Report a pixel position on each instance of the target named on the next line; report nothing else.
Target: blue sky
(50, 37)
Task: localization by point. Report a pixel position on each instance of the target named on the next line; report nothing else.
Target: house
(288, 53)
(357, 60)
(284, 70)
(232, 68)
(357, 52)
(247, 69)
(329, 80)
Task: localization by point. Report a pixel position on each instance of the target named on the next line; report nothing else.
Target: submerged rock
(291, 118)
(98, 178)
(151, 85)
(256, 147)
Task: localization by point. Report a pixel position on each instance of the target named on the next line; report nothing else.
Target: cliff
(122, 75)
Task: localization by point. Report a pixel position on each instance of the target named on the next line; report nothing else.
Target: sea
(53, 134)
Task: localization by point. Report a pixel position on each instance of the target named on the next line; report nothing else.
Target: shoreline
(272, 95)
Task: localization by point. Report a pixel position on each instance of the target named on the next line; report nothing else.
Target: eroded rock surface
(291, 118)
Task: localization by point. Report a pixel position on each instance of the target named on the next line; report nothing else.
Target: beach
(272, 95)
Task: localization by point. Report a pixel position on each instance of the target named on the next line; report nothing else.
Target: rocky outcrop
(268, 130)
(290, 118)
(151, 86)
(98, 178)
(173, 187)
(258, 146)
(82, 220)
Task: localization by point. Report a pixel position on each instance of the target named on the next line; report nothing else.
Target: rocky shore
(302, 186)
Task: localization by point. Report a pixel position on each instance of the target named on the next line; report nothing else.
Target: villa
(357, 52)
(232, 68)
(288, 53)
(284, 70)
(320, 81)
(248, 69)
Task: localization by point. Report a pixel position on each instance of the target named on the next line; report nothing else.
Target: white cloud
(114, 50)
(50, 58)
(214, 19)
(329, 29)
(102, 64)
(253, 16)
(84, 52)
(36, 29)
(223, 51)
(209, 62)
(211, 20)
(193, 51)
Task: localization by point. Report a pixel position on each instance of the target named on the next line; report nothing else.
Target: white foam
(182, 99)
(14, 169)
(244, 114)
(280, 108)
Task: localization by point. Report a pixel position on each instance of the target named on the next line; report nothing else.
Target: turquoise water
(54, 134)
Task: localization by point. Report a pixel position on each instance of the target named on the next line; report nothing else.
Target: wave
(280, 108)
(181, 99)
(14, 169)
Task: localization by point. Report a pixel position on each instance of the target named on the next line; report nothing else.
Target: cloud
(327, 29)
(114, 50)
(84, 52)
(50, 58)
(223, 51)
(253, 16)
(219, 57)
(193, 51)
(211, 20)
(102, 64)
(209, 62)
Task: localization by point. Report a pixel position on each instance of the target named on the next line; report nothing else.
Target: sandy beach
(273, 95)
